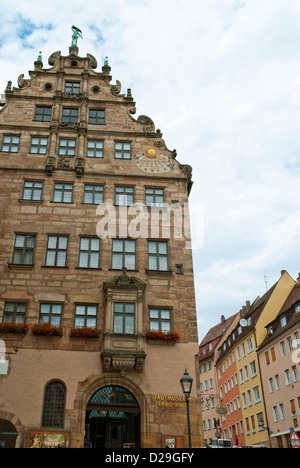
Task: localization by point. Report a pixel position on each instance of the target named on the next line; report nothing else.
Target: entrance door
(116, 434)
(113, 419)
(8, 434)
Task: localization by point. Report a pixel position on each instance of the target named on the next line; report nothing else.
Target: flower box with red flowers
(47, 329)
(158, 335)
(16, 328)
(85, 332)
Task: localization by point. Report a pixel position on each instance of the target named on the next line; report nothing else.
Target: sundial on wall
(152, 161)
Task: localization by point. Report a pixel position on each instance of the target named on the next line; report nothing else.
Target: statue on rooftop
(76, 34)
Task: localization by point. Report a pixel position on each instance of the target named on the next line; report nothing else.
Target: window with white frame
(256, 393)
(253, 369)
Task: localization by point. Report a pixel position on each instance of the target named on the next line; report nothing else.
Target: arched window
(54, 405)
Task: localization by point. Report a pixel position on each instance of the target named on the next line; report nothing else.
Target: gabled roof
(292, 318)
(214, 335)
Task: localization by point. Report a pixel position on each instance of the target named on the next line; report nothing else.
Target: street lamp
(186, 382)
(261, 425)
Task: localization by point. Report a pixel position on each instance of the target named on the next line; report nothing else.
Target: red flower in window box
(159, 335)
(46, 329)
(17, 328)
(85, 332)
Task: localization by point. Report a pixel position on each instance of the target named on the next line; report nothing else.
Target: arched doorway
(112, 419)
(8, 434)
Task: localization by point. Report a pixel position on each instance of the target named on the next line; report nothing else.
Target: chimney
(298, 279)
(222, 319)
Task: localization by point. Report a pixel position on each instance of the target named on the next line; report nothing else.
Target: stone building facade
(94, 233)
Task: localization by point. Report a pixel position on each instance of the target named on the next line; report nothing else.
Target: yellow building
(251, 332)
(244, 341)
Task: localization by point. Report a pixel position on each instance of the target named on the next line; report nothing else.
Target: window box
(156, 335)
(16, 328)
(46, 329)
(85, 332)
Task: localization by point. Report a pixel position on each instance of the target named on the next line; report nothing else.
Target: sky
(221, 79)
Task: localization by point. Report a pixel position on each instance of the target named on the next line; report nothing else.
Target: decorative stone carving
(92, 61)
(22, 83)
(64, 163)
(50, 165)
(149, 126)
(126, 351)
(116, 89)
(54, 58)
(79, 166)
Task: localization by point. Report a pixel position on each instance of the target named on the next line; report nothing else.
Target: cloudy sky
(221, 79)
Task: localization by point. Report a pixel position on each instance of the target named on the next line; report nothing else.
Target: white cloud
(221, 80)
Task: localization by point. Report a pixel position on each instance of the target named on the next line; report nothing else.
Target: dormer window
(270, 330)
(283, 321)
(297, 309)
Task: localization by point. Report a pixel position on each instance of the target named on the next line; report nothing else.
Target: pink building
(279, 357)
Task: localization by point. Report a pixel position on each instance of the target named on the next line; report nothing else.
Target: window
(249, 397)
(50, 313)
(122, 150)
(275, 414)
(271, 385)
(57, 251)
(10, 143)
(295, 374)
(93, 194)
(63, 193)
(250, 345)
(123, 254)
(94, 149)
(38, 145)
(124, 196)
(277, 382)
(85, 315)
(154, 196)
(43, 114)
(282, 348)
(89, 252)
(287, 376)
(14, 312)
(267, 357)
(124, 318)
(23, 250)
(96, 117)
(253, 369)
(72, 87)
(69, 115)
(160, 319)
(32, 191)
(289, 342)
(293, 408)
(66, 147)
(256, 392)
(273, 354)
(54, 405)
(282, 411)
(283, 321)
(158, 255)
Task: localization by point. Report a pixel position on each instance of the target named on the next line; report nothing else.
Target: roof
(214, 335)
(287, 309)
(253, 314)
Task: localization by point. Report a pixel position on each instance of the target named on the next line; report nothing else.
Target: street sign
(295, 441)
